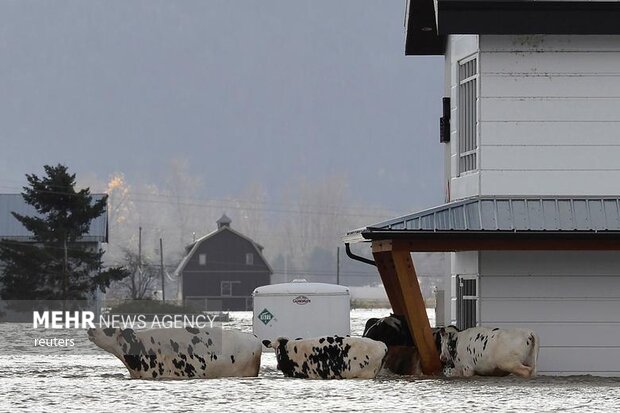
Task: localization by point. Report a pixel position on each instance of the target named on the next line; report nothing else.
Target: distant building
(221, 270)
(12, 229)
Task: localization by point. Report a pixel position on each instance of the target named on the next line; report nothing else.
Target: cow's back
(489, 350)
(194, 353)
(333, 357)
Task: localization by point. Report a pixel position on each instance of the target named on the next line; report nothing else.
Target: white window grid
(468, 76)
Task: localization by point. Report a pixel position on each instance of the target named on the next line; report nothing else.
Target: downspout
(357, 257)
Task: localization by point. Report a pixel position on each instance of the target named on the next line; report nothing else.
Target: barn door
(466, 301)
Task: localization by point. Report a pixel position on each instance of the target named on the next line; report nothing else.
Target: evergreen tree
(56, 266)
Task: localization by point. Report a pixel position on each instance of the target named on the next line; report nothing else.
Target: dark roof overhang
(421, 29)
(426, 241)
(503, 17)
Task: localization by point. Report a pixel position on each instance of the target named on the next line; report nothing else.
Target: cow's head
(449, 337)
(116, 340)
(392, 331)
(105, 338)
(279, 345)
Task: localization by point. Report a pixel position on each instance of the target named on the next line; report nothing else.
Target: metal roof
(11, 228)
(512, 214)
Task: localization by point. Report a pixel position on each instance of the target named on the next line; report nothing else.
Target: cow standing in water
(490, 352)
(403, 357)
(331, 357)
(181, 353)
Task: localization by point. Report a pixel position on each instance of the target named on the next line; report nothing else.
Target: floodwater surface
(98, 382)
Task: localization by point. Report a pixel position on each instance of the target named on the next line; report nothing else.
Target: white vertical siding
(549, 115)
(571, 299)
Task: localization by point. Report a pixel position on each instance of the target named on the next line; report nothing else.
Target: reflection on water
(99, 382)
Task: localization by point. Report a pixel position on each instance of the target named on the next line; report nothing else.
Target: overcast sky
(247, 91)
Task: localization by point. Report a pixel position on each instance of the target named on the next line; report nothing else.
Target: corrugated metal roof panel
(11, 228)
(515, 214)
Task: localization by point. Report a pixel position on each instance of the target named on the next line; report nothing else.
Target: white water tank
(301, 309)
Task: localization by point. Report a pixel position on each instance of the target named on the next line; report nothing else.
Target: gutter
(357, 257)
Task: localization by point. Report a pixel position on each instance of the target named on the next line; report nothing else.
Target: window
(202, 259)
(466, 302)
(249, 259)
(226, 288)
(467, 109)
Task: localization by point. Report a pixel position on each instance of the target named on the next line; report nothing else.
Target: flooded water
(98, 382)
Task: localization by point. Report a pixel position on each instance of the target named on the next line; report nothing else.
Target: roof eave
(454, 241)
(527, 17)
(429, 22)
(422, 38)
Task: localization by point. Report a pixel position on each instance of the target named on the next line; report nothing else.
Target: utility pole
(338, 265)
(140, 249)
(163, 280)
(65, 276)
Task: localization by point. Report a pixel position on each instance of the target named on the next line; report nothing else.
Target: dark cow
(331, 357)
(491, 352)
(175, 353)
(392, 330)
(403, 357)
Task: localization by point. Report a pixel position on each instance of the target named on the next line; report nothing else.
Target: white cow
(182, 353)
(490, 352)
(331, 357)
(403, 357)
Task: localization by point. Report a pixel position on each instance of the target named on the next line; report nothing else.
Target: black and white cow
(331, 357)
(403, 357)
(490, 352)
(177, 353)
(392, 330)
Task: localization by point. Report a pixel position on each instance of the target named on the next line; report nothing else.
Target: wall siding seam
(549, 75)
(551, 169)
(542, 97)
(544, 52)
(576, 372)
(549, 145)
(547, 121)
(552, 299)
(482, 322)
(568, 347)
(593, 275)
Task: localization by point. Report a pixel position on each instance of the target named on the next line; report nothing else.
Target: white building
(532, 172)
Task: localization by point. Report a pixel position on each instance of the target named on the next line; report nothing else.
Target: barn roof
(11, 228)
(191, 248)
(428, 22)
(503, 215)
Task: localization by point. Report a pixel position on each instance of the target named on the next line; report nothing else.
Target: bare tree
(143, 279)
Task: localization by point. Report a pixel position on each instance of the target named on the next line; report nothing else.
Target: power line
(198, 201)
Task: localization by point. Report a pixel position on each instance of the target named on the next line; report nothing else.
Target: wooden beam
(387, 271)
(399, 278)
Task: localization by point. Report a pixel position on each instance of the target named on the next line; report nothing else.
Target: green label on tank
(265, 316)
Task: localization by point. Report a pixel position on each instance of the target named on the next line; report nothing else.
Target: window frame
(468, 123)
(230, 284)
(462, 300)
(249, 258)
